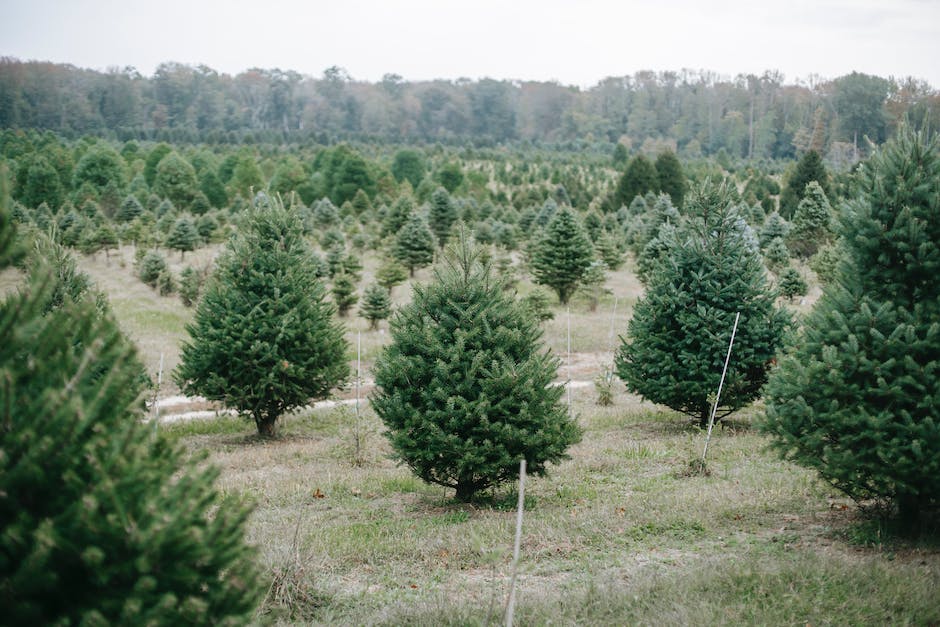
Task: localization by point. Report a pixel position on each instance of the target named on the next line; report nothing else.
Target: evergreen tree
(562, 255)
(792, 283)
(166, 283)
(130, 209)
(856, 397)
(408, 165)
(812, 223)
(176, 179)
(465, 388)
(537, 304)
(190, 285)
(678, 336)
(212, 187)
(106, 239)
(670, 178)
(825, 262)
(609, 251)
(809, 168)
(376, 305)
(774, 227)
(621, 156)
(183, 236)
(777, 254)
(398, 215)
(98, 167)
(592, 284)
(442, 215)
(263, 340)
(153, 160)
(414, 245)
(637, 180)
(102, 520)
(344, 292)
(152, 264)
(42, 184)
(390, 274)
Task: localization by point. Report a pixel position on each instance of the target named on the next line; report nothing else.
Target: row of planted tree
(103, 520)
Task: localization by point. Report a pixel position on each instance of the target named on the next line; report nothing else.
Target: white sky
(575, 42)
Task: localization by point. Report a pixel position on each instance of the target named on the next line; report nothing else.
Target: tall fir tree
(465, 387)
(809, 168)
(678, 336)
(670, 177)
(414, 244)
(856, 397)
(442, 215)
(562, 255)
(638, 179)
(102, 520)
(263, 340)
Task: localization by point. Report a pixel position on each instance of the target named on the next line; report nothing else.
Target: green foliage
(591, 286)
(609, 251)
(562, 255)
(166, 283)
(183, 236)
(442, 215)
(414, 244)
(102, 521)
(408, 165)
(678, 336)
(190, 285)
(376, 305)
(450, 176)
(670, 178)
(465, 388)
(825, 262)
(153, 160)
(344, 292)
(151, 266)
(638, 179)
(263, 340)
(130, 209)
(777, 254)
(809, 168)
(247, 179)
(856, 396)
(775, 227)
(398, 215)
(390, 274)
(812, 223)
(42, 184)
(176, 179)
(99, 166)
(792, 283)
(538, 304)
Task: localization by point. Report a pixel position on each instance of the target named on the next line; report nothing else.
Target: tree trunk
(909, 514)
(465, 491)
(265, 425)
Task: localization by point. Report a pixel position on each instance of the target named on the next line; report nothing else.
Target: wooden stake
(511, 604)
(711, 420)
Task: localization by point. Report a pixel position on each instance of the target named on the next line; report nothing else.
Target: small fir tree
(774, 227)
(678, 337)
(809, 168)
(166, 283)
(263, 340)
(777, 254)
(562, 255)
(792, 283)
(183, 236)
(825, 262)
(190, 285)
(414, 245)
(855, 398)
(390, 274)
(538, 304)
(376, 305)
(465, 388)
(344, 292)
(592, 286)
(638, 179)
(150, 267)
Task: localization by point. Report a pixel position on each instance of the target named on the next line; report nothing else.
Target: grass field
(622, 533)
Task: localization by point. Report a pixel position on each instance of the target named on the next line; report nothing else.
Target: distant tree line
(692, 113)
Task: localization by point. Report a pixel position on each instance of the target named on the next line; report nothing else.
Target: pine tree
(608, 251)
(592, 284)
(465, 387)
(774, 227)
(638, 179)
(190, 285)
(263, 340)
(183, 236)
(106, 238)
(812, 223)
(176, 179)
(390, 274)
(398, 215)
(678, 336)
(670, 178)
(562, 255)
(344, 292)
(809, 168)
(777, 254)
(376, 305)
(130, 209)
(414, 244)
(442, 215)
(151, 265)
(102, 520)
(792, 283)
(856, 397)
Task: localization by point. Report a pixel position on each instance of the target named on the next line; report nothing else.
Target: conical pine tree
(414, 244)
(856, 398)
(263, 340)
(465, 387)
(442, 215)
(376, 305)
(678, 337)
(562, 255)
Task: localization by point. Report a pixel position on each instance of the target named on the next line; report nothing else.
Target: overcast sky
(575, 42)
